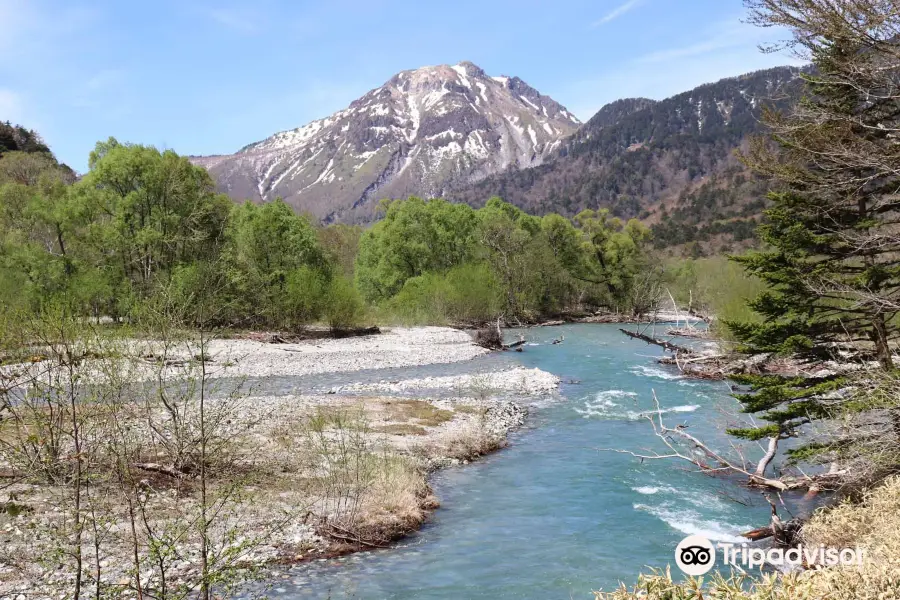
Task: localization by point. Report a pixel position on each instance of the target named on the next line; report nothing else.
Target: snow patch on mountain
(421, 133)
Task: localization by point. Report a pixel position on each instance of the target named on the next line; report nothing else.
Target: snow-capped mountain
(421, 133)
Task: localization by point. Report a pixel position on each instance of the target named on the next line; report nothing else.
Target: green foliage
(415, 237)
(830, 261)
(615, 253)
(276, 271)
(303, 299)
(140, 214)
(340, 243)
(715, 286)
(145, 227)
(412, 262)
(35, 229)
(145, 231)
(468, 293)
(343, 306)
(786, 403)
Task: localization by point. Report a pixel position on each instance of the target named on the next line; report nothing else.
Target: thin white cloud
(727, 49)
(617, 12)
(725, 35)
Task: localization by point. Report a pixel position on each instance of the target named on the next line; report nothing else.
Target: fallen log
(688, 332)
(785, 533)
(339, 533)
(661, 343)
(158, 468)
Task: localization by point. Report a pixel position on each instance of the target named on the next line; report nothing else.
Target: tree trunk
(880, 337)
(767, 457)
(661, 343)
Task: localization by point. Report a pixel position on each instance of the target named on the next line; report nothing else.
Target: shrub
(468, 293)
(344, 308)
(304, 298)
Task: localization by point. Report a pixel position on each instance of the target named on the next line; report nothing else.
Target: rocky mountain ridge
(423, 132)
(670, 162)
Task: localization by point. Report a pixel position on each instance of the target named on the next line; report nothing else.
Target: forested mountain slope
(671, 162)
(15, 138)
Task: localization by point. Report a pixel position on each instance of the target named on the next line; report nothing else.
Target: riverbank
(870, 525)
(395, 347)
(304, 476)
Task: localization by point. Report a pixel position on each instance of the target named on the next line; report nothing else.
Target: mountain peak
(421, 132)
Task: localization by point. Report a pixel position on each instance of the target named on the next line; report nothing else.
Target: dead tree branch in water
(686, 447)
(661, 343)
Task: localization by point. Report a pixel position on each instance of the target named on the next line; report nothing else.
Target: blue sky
(207, 77)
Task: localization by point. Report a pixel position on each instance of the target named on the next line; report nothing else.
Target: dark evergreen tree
(832, 259)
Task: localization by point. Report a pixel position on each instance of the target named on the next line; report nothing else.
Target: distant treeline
(144, 225)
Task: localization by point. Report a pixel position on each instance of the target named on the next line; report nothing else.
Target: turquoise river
(554, 515)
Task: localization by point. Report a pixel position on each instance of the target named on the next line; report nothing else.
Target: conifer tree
(832, 257)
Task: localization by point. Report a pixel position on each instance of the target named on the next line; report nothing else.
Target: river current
(555, 515)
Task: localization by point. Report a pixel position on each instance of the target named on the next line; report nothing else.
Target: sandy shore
(428, 423)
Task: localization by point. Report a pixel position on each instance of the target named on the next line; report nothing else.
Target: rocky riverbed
(291, 452)
(398, 347)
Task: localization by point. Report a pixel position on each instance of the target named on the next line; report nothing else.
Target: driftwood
(695, 313)
(315, 334)
(784, 533)
(158, 468)
(661, 343)
(688, 332)
(686, 447)
(339, 533)
(492, 338)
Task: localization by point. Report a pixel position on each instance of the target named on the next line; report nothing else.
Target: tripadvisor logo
(696, 555)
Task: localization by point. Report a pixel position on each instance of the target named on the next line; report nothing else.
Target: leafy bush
(343, 306)
(468, 293)
(304, 298)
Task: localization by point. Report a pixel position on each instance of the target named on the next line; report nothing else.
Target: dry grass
(873, 524)
(399, 429)
(422, 412)
(467, 442)
(396, 501)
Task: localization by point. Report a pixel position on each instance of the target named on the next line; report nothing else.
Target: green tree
(340, 242)
(277, 271)
(616, 256)
(831, 259)
(148, 212)
(415, 237)
(37, 225)
(529, 256)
